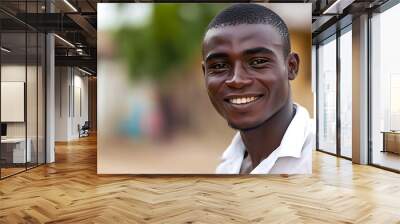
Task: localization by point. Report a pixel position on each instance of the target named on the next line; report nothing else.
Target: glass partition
(327, 95)
(385, 89)
(14, 153)
(22, 77)
(346, 93)
(31, 100)
(32, 85)
(41, 85)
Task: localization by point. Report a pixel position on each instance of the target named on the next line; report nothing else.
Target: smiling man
(248, 65)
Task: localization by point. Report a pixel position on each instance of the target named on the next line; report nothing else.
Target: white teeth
(243, 100)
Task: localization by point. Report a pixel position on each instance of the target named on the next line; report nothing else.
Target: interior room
(60, 100)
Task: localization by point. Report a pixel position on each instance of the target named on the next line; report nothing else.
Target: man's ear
(203, 68)
(293, 65)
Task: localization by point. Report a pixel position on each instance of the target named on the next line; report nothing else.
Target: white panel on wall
(394, 101)
(12, 101)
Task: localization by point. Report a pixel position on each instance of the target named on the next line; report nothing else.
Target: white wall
(62, 81)
(80, 85)
(70, 83)
(16, 73)
(33, 127)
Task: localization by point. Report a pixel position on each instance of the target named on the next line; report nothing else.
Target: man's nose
(239, 78)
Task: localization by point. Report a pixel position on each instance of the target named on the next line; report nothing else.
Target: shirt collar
(291, 144)
(296, 134)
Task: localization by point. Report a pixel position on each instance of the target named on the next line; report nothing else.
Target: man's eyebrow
(258, 50)
(216, 55)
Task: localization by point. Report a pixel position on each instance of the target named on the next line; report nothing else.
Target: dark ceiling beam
(49, 22)
(11, 25)
(91, 5)
(89, 70)
(321, 23)
(84, 24)
(91, 14)
(337, 7)
(16, 18)
(87, 51)
(52, 22)
(81, 61)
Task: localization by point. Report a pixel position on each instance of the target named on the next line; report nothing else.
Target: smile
(243, 100)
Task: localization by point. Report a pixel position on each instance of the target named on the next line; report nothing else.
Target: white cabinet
(18, 149)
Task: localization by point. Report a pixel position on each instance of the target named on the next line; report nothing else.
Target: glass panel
(31, 100)
(385, 86)
(327, 96)
(13, 87)
(22, 88)
(31, 85)
(41, 99)
(346, 94)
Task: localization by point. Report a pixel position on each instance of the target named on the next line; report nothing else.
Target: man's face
(246, 73)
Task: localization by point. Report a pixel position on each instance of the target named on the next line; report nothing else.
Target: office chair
(84, 130)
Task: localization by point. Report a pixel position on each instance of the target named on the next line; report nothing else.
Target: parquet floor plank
(70, 191)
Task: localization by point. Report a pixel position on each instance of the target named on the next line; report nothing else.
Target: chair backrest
(86, 125)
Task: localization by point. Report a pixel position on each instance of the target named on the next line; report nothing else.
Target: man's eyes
(258, 62)
(218, 66)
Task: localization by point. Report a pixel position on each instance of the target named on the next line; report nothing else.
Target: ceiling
(76, 22)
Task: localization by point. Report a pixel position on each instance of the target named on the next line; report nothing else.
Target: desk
(391, 141)
(16, 148)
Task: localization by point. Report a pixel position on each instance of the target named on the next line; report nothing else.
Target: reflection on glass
(31, 101)
(14, 153)
(327, 96)
(346, 94)
(22, 91)
(41, 97)
(386, 89)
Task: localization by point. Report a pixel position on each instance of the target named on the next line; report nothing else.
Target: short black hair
(248, 13)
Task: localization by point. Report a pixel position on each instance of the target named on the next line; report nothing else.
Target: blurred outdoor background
(154, 115)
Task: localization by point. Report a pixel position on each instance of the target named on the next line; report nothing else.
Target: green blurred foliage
(168, 42)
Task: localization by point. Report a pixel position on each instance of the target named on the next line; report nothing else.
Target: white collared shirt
(293, 156)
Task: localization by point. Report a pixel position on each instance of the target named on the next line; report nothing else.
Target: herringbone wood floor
(69, 191)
